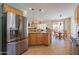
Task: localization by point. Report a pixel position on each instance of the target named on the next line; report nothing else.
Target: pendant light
(40, 12)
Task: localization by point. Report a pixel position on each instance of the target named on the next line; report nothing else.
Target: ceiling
(51, 10)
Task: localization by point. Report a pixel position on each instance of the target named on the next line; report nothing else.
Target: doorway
(58, 27)
(58, 33)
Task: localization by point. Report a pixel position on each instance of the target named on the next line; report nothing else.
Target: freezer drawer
(21, 46)
(17, 48)
(11, 48)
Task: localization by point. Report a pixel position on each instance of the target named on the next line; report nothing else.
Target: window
(58, 27)
(41, 26)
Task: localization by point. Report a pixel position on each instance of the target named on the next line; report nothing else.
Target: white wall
(73, 27)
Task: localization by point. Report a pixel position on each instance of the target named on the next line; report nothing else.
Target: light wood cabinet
(8, 8)
(45, 40)
(32, 39)
(39, 38)
(77, 14)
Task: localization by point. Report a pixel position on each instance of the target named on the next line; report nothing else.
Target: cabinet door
(45, 40)
(39, 38)
(77, 14)
(32, 39)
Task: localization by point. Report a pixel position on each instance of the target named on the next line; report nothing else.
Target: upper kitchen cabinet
(77, 14)
(7, 8)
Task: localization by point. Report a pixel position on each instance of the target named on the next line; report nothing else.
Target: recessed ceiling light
(31, 9)
(42, 10)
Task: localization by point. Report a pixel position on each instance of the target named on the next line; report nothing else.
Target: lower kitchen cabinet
(39, 39)
(32, 39)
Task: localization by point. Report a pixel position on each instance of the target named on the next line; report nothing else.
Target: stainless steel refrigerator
(15, 40)
(1, 28)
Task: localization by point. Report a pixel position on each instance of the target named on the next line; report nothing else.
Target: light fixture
(41, 10)
(33, 12)
(40, 13)
(31, 9)
(60, 15)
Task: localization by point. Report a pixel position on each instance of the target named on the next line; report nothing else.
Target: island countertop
(39, 32)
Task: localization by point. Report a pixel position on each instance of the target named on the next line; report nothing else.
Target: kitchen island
(39, 38)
